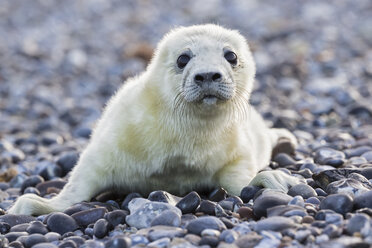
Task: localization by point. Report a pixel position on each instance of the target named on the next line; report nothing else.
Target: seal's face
(209, 68)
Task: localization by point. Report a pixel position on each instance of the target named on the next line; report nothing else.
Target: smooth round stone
(101, 228)
(116, 217)
(13, 220)
(17, 181)
(207, 207)
(76, 239)
(118, 242)
(334, 218)
(359, 223)
(248, 193)
(37, 227)
(189, 203)
(303, 190)
(364, 200)
(329, 156)
(92, 244)
(61, 223)
(367, 156)
(52, 236)
(284, 160)
(320, 192)
(245, 212)
(34, 239)
(229, 236)
(86, 217)
(31, 190)
(313, 200)
(339, 203)
(357, 152)
(167, 218)
(78, 208)
(249, 240)
(67, 161)
(163, 196)
(210, 241)
(12, 236)
(267, 200)
(20, 227)
(138, 239)
(159, 232)
(55, 183)
(217, 195)
(4, 227)
(45, 245)
(210, 222)
(128, 198)
(48, 170)
(31, 181)
(275, 223)
(298, 201)
(332, 231)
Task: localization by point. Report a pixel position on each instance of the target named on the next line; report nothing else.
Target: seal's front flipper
(275, 180)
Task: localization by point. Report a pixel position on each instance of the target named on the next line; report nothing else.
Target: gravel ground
(60, 61)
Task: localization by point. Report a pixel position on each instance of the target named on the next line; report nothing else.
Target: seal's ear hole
(182, 60)
(231, 57)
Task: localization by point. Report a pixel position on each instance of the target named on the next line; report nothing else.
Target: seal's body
(182, 125)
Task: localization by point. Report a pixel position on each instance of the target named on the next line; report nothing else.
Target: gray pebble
(267, 200)
(276, 223)
(189, 203)
(359, 223)
(34, 239)
(86, 217)
(303, 190)
(339, 203)
(160, 243)
(167, 218)
(198, 225)
(61, 223)
(101, 228)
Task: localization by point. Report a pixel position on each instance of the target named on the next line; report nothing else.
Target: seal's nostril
(216, 76)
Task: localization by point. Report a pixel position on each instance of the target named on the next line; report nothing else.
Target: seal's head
(206, 68)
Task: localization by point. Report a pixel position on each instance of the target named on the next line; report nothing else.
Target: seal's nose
(207, 77)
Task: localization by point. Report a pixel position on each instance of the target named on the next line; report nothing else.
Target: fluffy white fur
(148, 140)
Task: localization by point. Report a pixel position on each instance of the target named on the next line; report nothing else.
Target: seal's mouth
(210, 99)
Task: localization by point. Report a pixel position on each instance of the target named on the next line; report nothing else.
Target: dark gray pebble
(276, 223)
(329, 156)
(364, 200)
(218, 194)
(207, 207)
(86, 217)
(163, 196)
(128, 198)
(339, 203)
(198, 225)
(34, 239)
(167, 218)
(52, 236)
(248, 193)
(20, 227)
(303, 190)
(116, 217)
(101, 228)
(4, 227)
(118, 242)
(55, 183)
(78, 208)
(67, 161)
(359, 223)
(209, 240)
(189, 203)
(76, 239)
(13, 220)
(48, 170)
(320, 192)
(332, 231)
(12, 236)
(267, 200)
(284, 159)
(32, 181)
(61, 223)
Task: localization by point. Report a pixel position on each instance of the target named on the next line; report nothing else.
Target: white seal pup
(183, 124)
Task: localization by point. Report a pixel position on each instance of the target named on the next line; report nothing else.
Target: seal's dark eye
(183, 60)
(231, 57)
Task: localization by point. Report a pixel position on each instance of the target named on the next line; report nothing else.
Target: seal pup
(183, 124)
